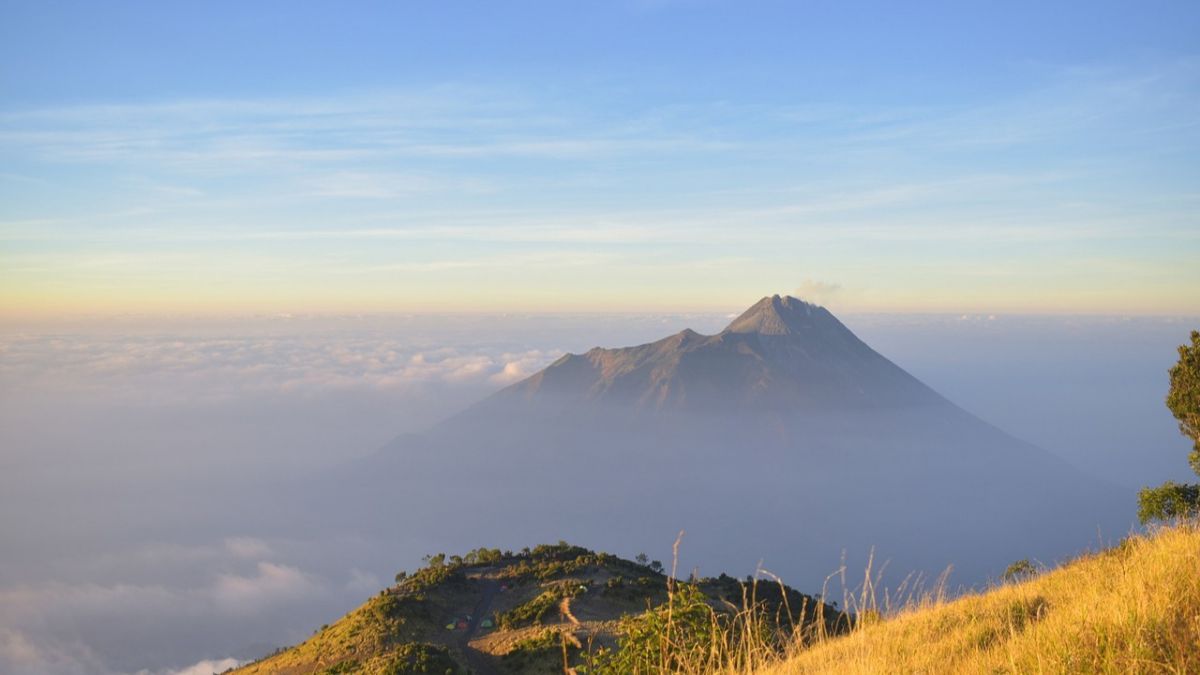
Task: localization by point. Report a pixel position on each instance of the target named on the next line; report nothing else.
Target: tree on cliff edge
(1175, 500)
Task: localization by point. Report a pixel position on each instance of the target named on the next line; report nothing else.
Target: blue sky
(265, 157)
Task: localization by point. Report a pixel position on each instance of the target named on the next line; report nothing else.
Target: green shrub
(1168, 501)
(663, 639)
(541, 653)
(1020, 569)
(421, 658)
(531, 612)
(341, 667)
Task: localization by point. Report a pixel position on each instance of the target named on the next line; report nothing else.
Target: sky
(620, 156)
(246, 242)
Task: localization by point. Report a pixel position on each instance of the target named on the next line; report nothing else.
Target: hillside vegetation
(1134, 608)
(494, 612)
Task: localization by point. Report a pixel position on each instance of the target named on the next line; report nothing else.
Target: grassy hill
(494, 612)
(1134, 608)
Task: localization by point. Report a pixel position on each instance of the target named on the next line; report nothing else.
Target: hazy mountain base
(925, 488)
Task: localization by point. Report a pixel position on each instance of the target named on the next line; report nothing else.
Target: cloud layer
(139, 368)
(110, 626)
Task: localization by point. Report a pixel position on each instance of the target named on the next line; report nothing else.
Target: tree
(1168, 501)
(1179, 500)
(1183, 399)
(1021, 569)
(642, 559)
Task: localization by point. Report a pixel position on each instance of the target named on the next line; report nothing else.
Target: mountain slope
(780, 354)
(1132, 609)
(494, 612)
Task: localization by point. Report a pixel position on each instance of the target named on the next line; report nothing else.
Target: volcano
(783, 439)
(782, 354)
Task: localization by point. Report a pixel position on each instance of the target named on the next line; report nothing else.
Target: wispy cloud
(447, 182)
(232, 135)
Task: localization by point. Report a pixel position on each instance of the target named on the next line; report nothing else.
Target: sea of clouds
(123, 438)
(128, 447)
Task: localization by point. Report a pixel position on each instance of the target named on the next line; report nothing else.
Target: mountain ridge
(780, 353)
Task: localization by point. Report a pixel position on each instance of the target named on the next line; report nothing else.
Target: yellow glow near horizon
(313, 296)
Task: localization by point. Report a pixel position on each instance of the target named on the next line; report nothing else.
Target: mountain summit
(785, 315)
(782, 353)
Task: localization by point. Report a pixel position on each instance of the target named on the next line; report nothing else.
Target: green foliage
(440, 568)
(715, 625)
(531, 612)
(342, 667)
(547, 638)
(393, 610)
(385, 608)
(556, 561)
(1175, 500)
(636, 589)
(421, 658)
(779, 607)
(1020, 569)
(1168, 501)
(433, 574)
(541, 653)
(560, 551)
(484, 556)
(662, 639)
(1183, 398)
(547, 561)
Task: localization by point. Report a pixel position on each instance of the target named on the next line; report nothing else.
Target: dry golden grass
(1134, 608)
(1131, 609)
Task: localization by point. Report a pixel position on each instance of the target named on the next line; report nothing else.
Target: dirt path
(564, 608)
(478, 661)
